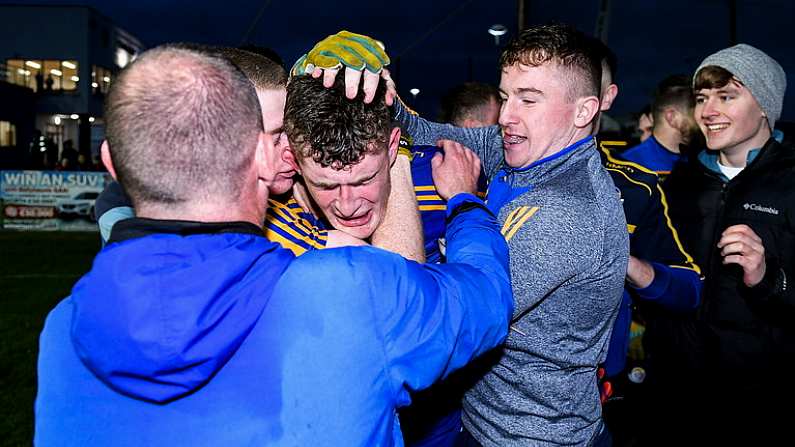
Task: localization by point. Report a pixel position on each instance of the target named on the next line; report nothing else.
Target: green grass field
(37, 269)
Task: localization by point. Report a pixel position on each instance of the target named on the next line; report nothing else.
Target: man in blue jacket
(193, 329)
(674, 128)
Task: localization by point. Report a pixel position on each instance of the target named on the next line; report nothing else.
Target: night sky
(435, 44)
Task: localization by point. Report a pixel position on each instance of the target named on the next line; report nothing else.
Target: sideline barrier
(50, 200)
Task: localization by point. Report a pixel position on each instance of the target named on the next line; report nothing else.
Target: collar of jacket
(709, 159)
(653, 141)
(541, 168)
(139, 227)
(772, 152)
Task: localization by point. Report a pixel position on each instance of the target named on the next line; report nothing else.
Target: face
(645, 126)
(731, 119)
(272, 105)
(536, 117)
(353, 200)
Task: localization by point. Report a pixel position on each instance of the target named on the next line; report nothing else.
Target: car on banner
(81, 205)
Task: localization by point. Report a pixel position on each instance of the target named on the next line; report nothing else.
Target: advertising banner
(50, 200)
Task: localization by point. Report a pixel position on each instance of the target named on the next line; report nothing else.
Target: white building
(65, 58)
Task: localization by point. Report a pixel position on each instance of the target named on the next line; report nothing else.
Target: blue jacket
(432, 207)
(208, 334)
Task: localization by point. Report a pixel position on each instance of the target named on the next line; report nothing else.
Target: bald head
(181, 122)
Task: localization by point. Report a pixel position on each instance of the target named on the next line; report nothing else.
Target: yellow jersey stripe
(291, 231)
(521, 222)
(670, 225)
(631, 228)
(290, 212)
(298, 223)
(648, 188)
(432, 207)
(286, 243)
(425, 188)
(624, 162)
(288, 218)
(428, 198)
(510, 218)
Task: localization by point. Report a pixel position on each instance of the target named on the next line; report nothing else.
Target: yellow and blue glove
(352, 50)
(404, 147)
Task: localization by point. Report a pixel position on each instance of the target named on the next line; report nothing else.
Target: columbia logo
(760, 208)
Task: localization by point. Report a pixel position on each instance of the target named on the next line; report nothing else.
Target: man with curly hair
(562, 217)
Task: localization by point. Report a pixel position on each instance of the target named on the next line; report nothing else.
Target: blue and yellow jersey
(653, 156)
(614, 147)
(653, 238)
(432, 207)
(290, 226)
(287, 224)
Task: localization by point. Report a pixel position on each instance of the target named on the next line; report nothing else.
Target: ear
(608, 96)
(289, 157)
(670, 116)
(265, 172)
(650, 117)
(104, 152)
(394, 142)
(586, 109)
(294, 160)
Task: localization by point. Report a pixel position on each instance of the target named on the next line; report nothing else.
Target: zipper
(714, 254)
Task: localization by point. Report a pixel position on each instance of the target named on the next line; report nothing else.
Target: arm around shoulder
(401, 229)
(443, 316)
(480, 139)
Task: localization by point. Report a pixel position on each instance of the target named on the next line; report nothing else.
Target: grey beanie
(760, 73)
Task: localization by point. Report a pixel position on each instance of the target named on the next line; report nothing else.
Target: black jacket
(747, 334)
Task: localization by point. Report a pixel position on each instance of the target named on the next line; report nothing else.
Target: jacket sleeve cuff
(658, 286)
(461, 202)
(675, 289)
(773, 283)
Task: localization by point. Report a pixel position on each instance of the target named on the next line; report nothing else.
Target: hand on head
(359, 54)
